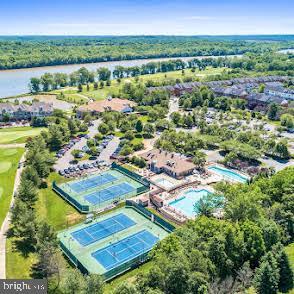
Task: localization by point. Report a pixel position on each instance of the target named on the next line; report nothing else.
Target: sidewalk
(6, 223)
(20, 145)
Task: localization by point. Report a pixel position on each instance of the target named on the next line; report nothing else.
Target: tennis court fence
(71, 200)
(132, 263)
(72, 258)
(132, 175)
(148, 214)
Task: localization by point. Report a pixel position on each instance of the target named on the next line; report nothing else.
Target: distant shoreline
(119, 60)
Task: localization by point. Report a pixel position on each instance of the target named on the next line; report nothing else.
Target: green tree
(47, 81)
(139, 126)
(103, 74)
(176, 118)
(188, 121)
(203, 208)
(267, 276)
(55, 137)
(94, 284)
(126, 288)
(254, 243)
(103, 128)
(272, 111)
(286, 278)
(73, 282)
(281, 149)
(287, 120)
(199, 158)
(261, 88)
(30, 174)
(129, 135)
(35, 85)
(148, 130)
(27, 192)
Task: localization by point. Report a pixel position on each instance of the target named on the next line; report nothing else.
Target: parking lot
(67, 165)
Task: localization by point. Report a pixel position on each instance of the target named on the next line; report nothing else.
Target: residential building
(25, 111)
(110, 104)
(175, 165)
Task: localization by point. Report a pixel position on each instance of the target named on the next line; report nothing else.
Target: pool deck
(155, 180)
(241, 174)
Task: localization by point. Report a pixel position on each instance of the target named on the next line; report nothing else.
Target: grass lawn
(75, 98)
(9, 159)
(52, 208)
(18, 135)
(18, 266)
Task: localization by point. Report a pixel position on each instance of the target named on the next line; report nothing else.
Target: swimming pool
(186, 202)
(229, 174)
(165, 183)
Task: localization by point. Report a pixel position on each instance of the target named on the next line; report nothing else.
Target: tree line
(267, 62)
(45, 51)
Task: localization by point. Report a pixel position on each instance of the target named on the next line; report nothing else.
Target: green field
(9, 159)
(52, 208)
(18, 135)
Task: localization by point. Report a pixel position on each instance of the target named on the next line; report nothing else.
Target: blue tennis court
(125, 250)
(102, 229)
(109, 193)
(92, 182)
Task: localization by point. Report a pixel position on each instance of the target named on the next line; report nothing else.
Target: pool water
(186, 202)
(165, 183)
(229, 174)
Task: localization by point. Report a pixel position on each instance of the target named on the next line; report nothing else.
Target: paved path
(173, 106)
(6, 223)
(13, 145)
(108, 151)
(277, 164)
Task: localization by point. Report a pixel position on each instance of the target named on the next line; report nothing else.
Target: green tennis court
(97, 191)
(112, 243)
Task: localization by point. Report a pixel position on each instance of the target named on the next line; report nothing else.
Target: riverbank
(15, 82)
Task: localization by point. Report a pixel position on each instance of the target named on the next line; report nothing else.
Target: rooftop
(171, 161)
(111, 104)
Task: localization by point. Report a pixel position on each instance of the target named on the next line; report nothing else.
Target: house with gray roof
(25, 111)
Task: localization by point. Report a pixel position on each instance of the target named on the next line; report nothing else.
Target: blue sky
(114, 17)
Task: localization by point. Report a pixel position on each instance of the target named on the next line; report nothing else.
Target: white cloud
(210, 18)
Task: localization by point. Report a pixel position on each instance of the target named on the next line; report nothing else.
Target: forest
(26, 52)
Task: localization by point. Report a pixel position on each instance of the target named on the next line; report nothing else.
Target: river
(15, 82)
